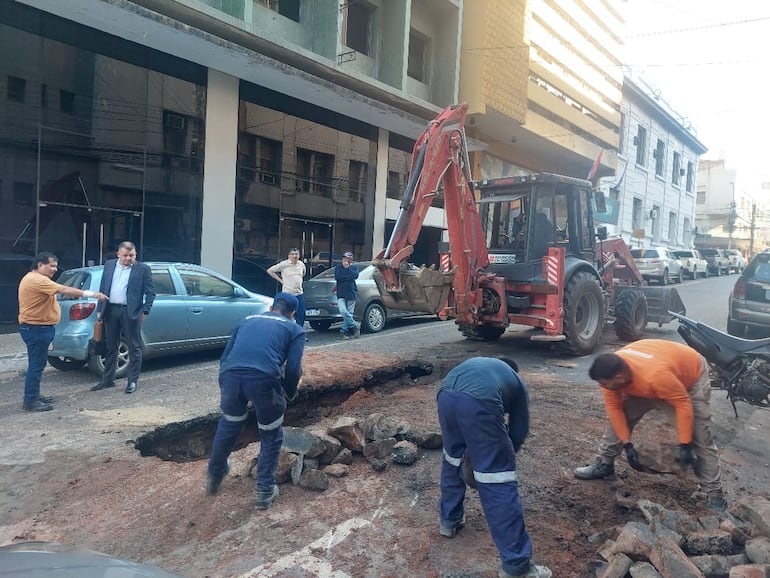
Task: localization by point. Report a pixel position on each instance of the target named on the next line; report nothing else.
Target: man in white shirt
(292, 273)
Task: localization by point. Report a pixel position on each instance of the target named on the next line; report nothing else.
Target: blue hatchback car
(195, 309)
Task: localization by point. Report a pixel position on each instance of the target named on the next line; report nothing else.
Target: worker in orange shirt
(649, 374)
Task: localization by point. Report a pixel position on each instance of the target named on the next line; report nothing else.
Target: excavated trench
(190, 440)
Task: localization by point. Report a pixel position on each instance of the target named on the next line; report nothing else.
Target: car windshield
(645, 254)
(708, 252)
(759, 268)
(683, 253)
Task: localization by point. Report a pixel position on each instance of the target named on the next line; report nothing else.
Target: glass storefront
(97, 146)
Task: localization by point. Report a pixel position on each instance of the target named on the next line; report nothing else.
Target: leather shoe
(131, 387)
(101, 385)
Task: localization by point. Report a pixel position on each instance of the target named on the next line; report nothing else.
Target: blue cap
(289, 299)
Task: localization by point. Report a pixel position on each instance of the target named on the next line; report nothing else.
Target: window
(358, 179)
(358, 26)
(287, 8)
(67, 101)
(700, 198)
(690, 178)
(259, 158)
(660, 158)
(622, 139)
(203, 284)
(161, 279)
(314, 172)
(395, 186)
(676, 174)
(636, 215)
(417, 66)
(17, 89)
(673, 231)
(641, 146)
(655, 218)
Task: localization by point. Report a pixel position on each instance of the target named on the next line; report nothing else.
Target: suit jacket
(140, 292)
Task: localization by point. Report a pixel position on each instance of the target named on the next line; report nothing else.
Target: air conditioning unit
(243, 224)
(654, 214)
(267, 178)
(681, 172)
(175, 121)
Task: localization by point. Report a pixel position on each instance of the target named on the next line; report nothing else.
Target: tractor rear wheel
(481, 332)
(630, 314)
(583, 313)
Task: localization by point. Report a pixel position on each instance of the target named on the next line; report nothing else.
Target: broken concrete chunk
(618, 566)
(344, 457)
(300, 441)
(671, 562)
(710, 522)
(379, 449)
(708, 542)
(635, 541)
(378, 426)
(718, 566)
(604, 535)
(347, 430)
(378, 465)
(758, 550)
(606, 551)
(336, 470)
(662, 533)
(296, 470)
(657, 458)
(756, 511)
(643, 570)
(314, 480)
(650, 510)
(428, 439)
(310, 464)
(405, 453)
(332, 447)
(750, 571)
(738, 535)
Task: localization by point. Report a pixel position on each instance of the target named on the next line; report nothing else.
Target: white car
(737, 260)
(658, 263)
(693, 263)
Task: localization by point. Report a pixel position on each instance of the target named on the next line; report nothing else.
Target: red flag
(595, 166)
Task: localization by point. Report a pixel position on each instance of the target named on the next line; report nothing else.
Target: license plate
(312, 312)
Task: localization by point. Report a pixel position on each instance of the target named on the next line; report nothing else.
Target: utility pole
(731, 224)
(753, 226)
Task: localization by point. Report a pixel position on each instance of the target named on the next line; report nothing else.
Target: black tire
(719, 271)
(736, 329)
(66, 363)
(96, 362)
(630, 314)
(665, 279)
(320, 325)
(374, 318)
(583, 313)
(482, 332)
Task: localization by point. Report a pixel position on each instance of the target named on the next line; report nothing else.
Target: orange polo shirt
(660, 369)
(37, 300)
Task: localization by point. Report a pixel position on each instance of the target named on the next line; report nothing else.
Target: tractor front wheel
(583, 313)
(630, 314)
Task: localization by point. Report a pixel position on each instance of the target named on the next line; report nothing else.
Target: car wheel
(374, 318)
(320, 325)
(735, 329)
(665, 279)
(719, 271)
(678, 278)
(66, 363)
(96, 362)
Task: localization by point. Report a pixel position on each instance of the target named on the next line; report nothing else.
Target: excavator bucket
(422, 290)
(660, 301)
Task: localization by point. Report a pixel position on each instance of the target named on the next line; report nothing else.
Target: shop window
(17, 89)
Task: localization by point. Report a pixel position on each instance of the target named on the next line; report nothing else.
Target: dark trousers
(299, 315)
(37, 338)
(467, 424)
(117, 323)
(237, 388)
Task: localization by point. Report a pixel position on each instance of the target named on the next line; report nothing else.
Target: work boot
(534, 572)
(716, 502)
(213, 482)
(596, 471)
(357, 332)
(37, 405)
(265, 498)
(450, 532)
(47, 398)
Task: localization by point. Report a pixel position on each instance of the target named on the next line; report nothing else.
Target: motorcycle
(739, 366)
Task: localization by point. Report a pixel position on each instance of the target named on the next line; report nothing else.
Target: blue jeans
(37, 338)
(237, 388)
(468, 424)
(347, 307)
(299, 314)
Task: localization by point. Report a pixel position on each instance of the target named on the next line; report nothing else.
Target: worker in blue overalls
(472, 402)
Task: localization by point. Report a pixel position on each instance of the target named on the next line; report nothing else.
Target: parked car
(253, 275)
(195, 309)
(658, 263)
(717, 260)
(749, 304)
(737, 260)
(323, 261)
(693, 263)
(321, 302)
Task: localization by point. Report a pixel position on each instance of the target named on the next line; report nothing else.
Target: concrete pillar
(380, 191)
(219, 170)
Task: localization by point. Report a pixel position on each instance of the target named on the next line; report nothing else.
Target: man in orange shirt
(649, 374)
(39, 312)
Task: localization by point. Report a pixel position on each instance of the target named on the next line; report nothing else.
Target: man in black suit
(128, 283)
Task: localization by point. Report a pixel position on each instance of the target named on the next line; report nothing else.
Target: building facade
(654, 191)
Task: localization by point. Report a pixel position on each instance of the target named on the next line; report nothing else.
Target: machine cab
(522, 216)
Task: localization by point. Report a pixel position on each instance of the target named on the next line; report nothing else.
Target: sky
(711, 61)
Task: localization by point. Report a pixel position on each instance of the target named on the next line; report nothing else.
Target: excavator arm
(439, 161)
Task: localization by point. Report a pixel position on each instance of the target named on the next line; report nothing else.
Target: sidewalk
(13, 352)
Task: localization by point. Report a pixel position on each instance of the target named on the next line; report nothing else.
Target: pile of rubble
(310, 456)
(673, 544)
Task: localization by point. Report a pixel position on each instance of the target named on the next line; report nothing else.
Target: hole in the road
(190, 440)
